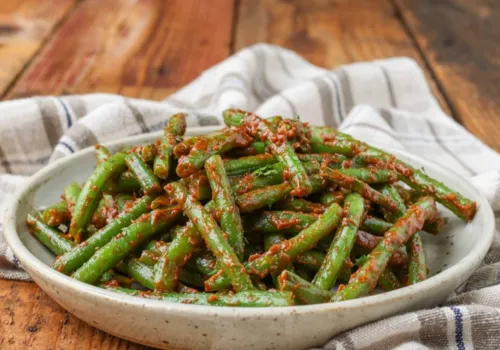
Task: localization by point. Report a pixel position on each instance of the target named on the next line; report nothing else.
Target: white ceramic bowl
(452, 257)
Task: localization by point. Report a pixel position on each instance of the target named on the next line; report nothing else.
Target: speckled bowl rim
(32, 262)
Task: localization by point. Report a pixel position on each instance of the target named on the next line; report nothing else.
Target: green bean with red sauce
(250, 215)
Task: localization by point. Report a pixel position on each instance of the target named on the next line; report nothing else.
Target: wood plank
(30, 319)
(112, 44)
(460, 40)
(329, 33)
(145, 49)
(25, 25)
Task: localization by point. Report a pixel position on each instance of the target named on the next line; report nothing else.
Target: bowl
(452, 257)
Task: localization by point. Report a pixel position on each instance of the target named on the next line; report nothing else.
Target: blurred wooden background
(150, 48)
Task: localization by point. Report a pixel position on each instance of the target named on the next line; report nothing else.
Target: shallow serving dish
(452, 257)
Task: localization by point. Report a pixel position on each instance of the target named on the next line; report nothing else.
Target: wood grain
(460, 39)
(24, 27)
(144, 49)
(120, 46)
(30, 319)
(329, 33)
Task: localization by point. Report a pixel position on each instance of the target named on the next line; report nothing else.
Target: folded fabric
(387, 102)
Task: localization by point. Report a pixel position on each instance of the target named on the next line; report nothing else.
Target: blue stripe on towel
(459, 327)
(67, 146)
(68, 116)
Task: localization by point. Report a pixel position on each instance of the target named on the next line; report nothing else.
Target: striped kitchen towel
(386, 101)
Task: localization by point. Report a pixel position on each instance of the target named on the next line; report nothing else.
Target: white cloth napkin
(386, 101)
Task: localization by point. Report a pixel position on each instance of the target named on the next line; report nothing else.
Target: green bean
(206, 147)
(262, 197)
(148, 153)
(157, 246)
(387, 281)
(175, 128)
(125, 183)
(255, 298)
(143, 274)
(417, 269)
(255, 148)
(304, 241)
(367, 276)
(375, 225)
(102, 153)
(436, 226)
(50, 238)
(366, 242)
(278, 221)
(303, 291)
(123, 201)
(266, 176)
(230, 219)
(71, 193)
(56, 214)
(378, 226)
(337, 146)
(139, 271)
(391, 192)
(245, 164)
(90, 193)
(372, 175)
(148, 257)
(342, 244)
(198, 184)
(280, 147)
(166, 270)
(149, 182)
(328, 198)
(360, 187)
(421, 182)
(206, 264)
(105, 212)
(300, 204)
(122, 244)
(213, 236)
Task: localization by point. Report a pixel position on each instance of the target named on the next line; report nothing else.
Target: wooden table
(150, 48)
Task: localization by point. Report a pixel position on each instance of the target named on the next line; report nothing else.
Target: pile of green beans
(266, 212)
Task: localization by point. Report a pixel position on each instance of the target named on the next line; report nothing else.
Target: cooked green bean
(149, 182)
(255, 298)
(175, 128)
(367, 276)
(71, 193)
(249, 208)
(342, 244)
(90, 194)
(229, 218)
(360, 187)
(213, 236)
(56, 214)
(206, 147)
(307, 238)
(278, 221)
(101, 153)
(300, 205)
(122, 244)
(278, 145)
(51, 238)
(417, 269)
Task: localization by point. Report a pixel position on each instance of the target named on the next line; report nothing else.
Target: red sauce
(213, 298)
